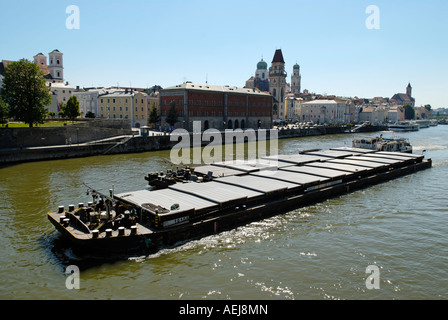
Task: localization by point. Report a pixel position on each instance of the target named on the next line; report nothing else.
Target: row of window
(213, 103)
(213, 114)
(120, 108)
(120, 116)
(120, 100)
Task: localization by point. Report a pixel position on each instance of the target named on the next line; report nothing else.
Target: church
(401, 99)
(273, 80)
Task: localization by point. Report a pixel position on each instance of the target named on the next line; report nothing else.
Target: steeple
(409, 90)
(278, 56)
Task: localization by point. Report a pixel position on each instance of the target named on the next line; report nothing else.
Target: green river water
(317, 252)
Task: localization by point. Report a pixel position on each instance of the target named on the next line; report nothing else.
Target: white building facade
(88, 100)
(322, 111)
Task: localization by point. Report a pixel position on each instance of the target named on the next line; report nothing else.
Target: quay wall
(131, 145)
(51, 136)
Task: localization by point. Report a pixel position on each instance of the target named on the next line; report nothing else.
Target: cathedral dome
(296, 66)
(262, 65)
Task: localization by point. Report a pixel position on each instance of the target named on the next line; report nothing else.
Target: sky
(140, 43)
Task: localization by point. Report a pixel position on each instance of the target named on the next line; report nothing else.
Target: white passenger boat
(404, 126)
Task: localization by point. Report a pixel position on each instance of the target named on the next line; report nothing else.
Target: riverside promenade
(135, 143)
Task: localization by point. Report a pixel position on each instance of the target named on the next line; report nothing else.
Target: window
(101, 100)
(143, 117)
(113, 100)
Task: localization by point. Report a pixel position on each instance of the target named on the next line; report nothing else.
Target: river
(317, 252)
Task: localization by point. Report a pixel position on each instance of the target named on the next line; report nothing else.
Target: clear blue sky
(142, 43)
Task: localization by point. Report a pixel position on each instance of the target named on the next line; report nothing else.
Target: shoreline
(138, 144)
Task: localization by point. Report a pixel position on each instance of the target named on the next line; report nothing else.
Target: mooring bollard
(95, 234)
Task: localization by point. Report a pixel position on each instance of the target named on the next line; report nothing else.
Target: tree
(90, 114)
(25, 91)
(154, 116)
(409, 112)
(171, 118)
(71, 109)
(4, 111)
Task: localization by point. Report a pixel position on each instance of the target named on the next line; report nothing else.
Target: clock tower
(277, 77)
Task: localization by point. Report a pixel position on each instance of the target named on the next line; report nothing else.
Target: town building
(124, 104)
(396, 114)
(322, 111)
(88, 100)
(261, 78)
(296, 79)
(422, 113)
(401, 99)
(218, 107)
(274, 82)
(374, 114)
(277, 84)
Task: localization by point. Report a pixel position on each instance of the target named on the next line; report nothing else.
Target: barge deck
(144, 219)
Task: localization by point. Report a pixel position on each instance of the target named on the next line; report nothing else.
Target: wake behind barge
(238, 193)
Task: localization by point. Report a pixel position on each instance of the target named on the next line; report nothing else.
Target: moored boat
(404, 126)
(384, 144)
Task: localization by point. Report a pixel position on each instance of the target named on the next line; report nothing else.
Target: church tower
(277, 83)
(409, 90)
(56, 66)
(296, 78)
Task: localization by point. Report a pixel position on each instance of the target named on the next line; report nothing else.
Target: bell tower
(296, 78)
(56, 66)
(409, 90)
(277, 77)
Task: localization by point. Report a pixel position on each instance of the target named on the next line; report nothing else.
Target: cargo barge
(234, 193)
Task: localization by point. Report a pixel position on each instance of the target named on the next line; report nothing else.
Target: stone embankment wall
(51, 136)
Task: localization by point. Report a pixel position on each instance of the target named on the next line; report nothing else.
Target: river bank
(135, 144)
